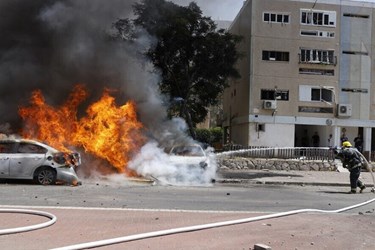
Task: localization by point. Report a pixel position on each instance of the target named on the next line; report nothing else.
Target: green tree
(203, 135)
(217, 135)
(210, 136)
(195, 59)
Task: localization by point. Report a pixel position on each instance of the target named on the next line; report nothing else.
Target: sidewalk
(277, 177)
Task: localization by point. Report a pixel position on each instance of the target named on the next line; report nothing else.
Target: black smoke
(52, 45)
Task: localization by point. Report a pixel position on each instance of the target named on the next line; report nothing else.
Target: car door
(7, 149)
(29, 156)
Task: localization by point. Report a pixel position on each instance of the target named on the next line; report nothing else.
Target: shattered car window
(7, 148)
(31, 148)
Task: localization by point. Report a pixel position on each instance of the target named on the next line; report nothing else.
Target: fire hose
(28, 228)
(201, 227)
(369, 168)
(157, 233)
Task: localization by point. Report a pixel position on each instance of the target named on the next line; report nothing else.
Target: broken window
(268, 55)
(309, 93)
(318, 17)
(317, 56)
(31, 148)
(321, 94)
(7, 147)
(274, 94)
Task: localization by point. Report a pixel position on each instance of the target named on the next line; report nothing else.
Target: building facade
(306, 70)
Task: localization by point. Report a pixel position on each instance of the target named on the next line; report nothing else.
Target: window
(260, 127)
(356, 15)
(306, 109)
(355, 90)
(317, 56)
(274, 94)
(362, 53)
(323, 72)
(321, 94)
(318, 17)
(318, 33)
(31, 148)
(275, 17)
(316, 93)
(7, 147)
(275, 56)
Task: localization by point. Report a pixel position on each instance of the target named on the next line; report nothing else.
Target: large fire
(108, 131)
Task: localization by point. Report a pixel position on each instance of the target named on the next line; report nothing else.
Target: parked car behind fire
(29, 159)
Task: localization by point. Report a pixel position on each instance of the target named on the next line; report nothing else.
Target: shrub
(210, 136)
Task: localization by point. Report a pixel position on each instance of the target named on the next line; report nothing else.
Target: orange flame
(108, 131)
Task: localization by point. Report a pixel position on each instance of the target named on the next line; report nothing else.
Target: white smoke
(155, 162)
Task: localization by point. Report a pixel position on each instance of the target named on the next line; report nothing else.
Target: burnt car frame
(194, 160)
(33, 160)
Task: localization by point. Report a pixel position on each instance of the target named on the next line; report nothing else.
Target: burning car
(193, 163)
(29, 159)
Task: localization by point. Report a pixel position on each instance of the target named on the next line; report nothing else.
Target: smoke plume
(53, 45)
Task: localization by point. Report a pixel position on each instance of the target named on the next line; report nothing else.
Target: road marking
(133, 209)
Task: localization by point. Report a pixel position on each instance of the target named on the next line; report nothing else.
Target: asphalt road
(106, 209)
(119, 193)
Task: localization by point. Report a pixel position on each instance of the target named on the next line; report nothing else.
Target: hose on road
(27, 228)
(202, 227)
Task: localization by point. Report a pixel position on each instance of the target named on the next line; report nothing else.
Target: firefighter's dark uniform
(351, 159)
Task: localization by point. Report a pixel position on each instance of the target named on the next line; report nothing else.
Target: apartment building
(306, 69)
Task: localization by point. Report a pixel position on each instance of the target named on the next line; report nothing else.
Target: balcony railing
(323, 61)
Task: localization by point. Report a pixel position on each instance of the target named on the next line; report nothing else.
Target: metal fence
(301, 153)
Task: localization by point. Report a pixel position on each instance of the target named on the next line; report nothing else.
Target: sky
(224, 10)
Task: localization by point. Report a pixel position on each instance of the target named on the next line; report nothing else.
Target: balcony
(321, 60)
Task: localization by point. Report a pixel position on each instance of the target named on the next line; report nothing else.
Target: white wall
(275, 135)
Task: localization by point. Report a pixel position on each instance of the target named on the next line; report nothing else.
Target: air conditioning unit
(344, 110)
(269, 104)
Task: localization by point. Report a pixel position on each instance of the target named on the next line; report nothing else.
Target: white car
(28, 159)
(193, 164)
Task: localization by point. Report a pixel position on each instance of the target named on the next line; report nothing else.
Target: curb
(260, 182)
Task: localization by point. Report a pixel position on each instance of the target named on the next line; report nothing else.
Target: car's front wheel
(45, 176)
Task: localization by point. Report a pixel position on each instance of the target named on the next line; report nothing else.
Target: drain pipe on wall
(201, 227)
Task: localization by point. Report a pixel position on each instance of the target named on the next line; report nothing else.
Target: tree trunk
(189, 122)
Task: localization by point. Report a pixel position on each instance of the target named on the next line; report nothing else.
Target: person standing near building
(352, 160)
(343, 137)
(358, 143)
(315, 140)
(330, 141)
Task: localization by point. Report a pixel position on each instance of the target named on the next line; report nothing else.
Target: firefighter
(352, 160)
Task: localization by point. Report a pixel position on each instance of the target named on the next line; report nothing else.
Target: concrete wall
(275, 164)
(274, 135)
